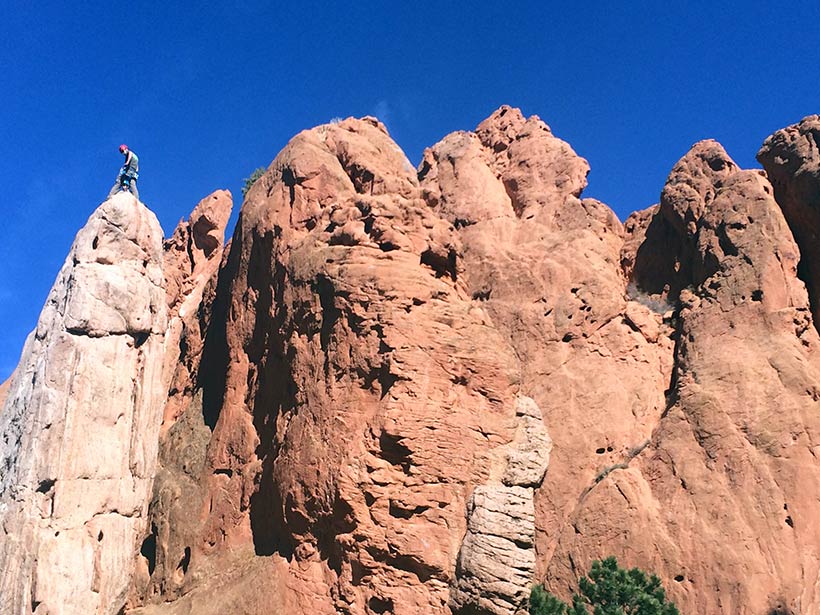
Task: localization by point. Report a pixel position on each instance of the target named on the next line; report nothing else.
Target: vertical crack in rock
(193, 264)
(79, 426)
(496, 562)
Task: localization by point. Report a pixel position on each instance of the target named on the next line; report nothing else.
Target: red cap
(123, 148)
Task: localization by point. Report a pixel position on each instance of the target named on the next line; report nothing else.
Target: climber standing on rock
(129, 173)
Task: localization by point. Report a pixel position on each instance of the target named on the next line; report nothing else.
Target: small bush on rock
(609, 590)
(250, 181)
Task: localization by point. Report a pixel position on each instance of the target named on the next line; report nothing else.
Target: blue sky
(205, 95)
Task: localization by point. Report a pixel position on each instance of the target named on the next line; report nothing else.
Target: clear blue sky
(205, 95)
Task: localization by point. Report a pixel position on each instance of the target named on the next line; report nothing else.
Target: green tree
(250, 181)
(609, 590)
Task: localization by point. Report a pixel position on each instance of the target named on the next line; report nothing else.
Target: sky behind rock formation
(205, 96)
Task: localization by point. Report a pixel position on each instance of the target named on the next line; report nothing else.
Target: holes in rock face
(45, 485)
(393, 451)
(140, 338)
(387, 246)
(482, 295)
(95, 243)
(757, 295)
(223, 472)
(369, 499)
(100, 536)
(400, 512)
(290, 180)
(330, 313)
(202, 237)
(185, 561)
(600, 451)
(780, 608)
(379, 605)
(726, 244)
(679, 578)
(149, 549)
(567, 337)
(441, 264)
(789, 521)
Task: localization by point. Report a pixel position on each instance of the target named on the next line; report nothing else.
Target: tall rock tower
(80, 421)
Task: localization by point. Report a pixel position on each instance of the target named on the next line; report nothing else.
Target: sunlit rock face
(408, 391)
(80, 422)
(714, 502)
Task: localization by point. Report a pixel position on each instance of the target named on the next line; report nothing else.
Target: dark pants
(124, 183)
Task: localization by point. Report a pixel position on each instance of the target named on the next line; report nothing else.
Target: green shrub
(544, 603)
(609, 590)
(250, 181)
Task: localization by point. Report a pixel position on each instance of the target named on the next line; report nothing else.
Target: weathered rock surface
(791, 158)
(4, 390)
(366, 392)
(496, 563)
(596, 363)
(192, 257)
(79, 425)
(419, 391)
(723, 500)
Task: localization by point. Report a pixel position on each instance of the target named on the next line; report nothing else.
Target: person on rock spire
(129, 173)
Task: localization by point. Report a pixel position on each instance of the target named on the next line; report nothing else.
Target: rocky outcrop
(496, 563)
(407, 390)
(365, 390)
(722, 501)
(192, 257)
(79, 426)
(791, 158)
(596, 362)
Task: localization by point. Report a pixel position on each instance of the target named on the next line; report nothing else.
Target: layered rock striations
(405, 390)
(80, 422)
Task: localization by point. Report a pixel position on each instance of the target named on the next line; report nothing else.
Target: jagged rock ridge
(404, 391)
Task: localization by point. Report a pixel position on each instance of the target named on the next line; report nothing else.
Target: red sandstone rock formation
(419, 391)
(722, 502)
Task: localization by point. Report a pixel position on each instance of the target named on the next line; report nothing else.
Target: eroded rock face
(192, 258)
(548, 274)
(366, 391)
(420, 391)
(792, 162)
(496, 563)
(714, 503)
(79, 425)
